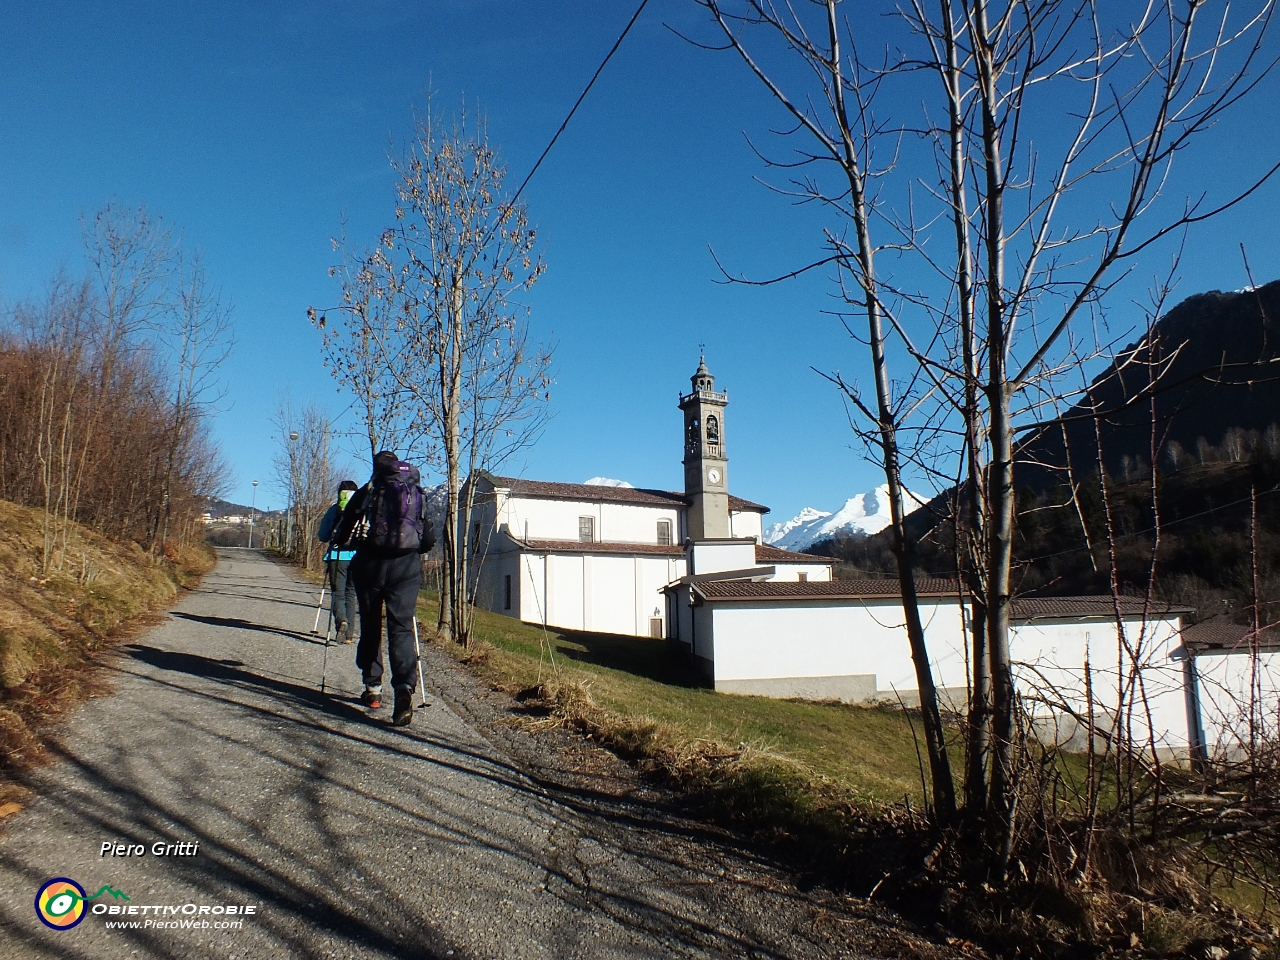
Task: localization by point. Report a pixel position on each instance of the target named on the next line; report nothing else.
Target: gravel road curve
(351, 838)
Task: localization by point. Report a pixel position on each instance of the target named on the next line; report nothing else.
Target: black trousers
(342, 591)
(391, 583)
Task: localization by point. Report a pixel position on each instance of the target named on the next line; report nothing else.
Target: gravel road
(350, 838)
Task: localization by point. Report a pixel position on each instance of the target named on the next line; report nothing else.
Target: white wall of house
(1050, 657)
(1227, 683)
(858, 650)
(830, 638)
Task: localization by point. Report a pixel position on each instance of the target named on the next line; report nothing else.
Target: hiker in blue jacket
(386, 520)
(337, 561)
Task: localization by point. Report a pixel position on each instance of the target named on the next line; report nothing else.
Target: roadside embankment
(56, 617)
(803, 778)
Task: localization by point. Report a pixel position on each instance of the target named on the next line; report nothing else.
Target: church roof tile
(768, 554)
(818, 589)
(1024, 608)
(592, 492)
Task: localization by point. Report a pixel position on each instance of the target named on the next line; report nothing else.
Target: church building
(599, 558)
(690, 567)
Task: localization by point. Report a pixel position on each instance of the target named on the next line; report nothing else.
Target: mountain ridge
(863, 514)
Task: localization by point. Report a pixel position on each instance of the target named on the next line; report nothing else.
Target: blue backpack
(394, 510)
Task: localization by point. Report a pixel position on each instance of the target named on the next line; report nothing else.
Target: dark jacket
(347, 529)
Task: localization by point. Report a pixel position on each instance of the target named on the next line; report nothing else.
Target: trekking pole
(324, 674)
(315, 627)
(417, 648)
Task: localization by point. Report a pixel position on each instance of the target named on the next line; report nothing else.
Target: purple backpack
(395, 511)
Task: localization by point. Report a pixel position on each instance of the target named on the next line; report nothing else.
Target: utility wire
(594, 77)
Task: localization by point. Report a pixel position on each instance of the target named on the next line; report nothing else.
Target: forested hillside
(1198, 523)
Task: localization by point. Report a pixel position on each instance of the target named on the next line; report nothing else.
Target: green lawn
(868, 754)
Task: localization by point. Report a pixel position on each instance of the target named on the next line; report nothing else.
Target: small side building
(1233, 685)
(846, 640)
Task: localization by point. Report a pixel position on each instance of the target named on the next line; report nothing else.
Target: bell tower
(706, 481)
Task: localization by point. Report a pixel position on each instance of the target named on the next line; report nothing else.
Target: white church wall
(611, 593)
(714, 556)
(1224, 681)
(746, 523)
(533, 572)
(605, 594)
(653, 574)
(546, 519)
(565, 597)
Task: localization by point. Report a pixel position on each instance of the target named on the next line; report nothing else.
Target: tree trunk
(1000, 500)
(452, 599)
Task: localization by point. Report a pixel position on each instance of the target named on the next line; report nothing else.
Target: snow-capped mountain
(606, 482)
(866, 513)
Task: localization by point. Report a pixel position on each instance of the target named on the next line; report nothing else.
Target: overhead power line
(594, 77)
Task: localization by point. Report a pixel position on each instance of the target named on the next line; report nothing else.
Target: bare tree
(455, 261)
(304, 472)
(1050, 130)
(57, 337)
(200, 338)
(366, 350)
(131, 258)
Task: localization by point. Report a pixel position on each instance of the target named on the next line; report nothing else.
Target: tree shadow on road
(235, 623)
(231, 671)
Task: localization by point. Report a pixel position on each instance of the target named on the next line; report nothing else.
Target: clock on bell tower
(706, 465)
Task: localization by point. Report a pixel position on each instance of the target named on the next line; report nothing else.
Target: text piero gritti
(158, 849)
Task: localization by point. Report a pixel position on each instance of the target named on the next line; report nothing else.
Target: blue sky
(257, 128)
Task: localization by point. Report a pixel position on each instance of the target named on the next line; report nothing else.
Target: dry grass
(824, 783)
(656, 710)
(821, 783)
(52, 625)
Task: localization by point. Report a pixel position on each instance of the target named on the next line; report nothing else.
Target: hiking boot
(340, 626)
(372, 697)
(351, 632)
(403, 714)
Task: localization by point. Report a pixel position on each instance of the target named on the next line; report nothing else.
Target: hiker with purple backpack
(387, 522)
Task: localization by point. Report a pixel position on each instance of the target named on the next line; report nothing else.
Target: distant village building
(691, 567)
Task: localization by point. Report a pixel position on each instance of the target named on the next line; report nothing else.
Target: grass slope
(655, 707)
(52, 624)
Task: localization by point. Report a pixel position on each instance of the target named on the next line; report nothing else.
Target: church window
(506, 592)
(713, 431)
(587, 529)
(664, 533)
(695, 436)
(802, 577)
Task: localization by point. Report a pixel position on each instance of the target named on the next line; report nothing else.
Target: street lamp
(251, 506)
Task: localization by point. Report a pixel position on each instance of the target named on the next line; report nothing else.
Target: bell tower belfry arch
(706, 481)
